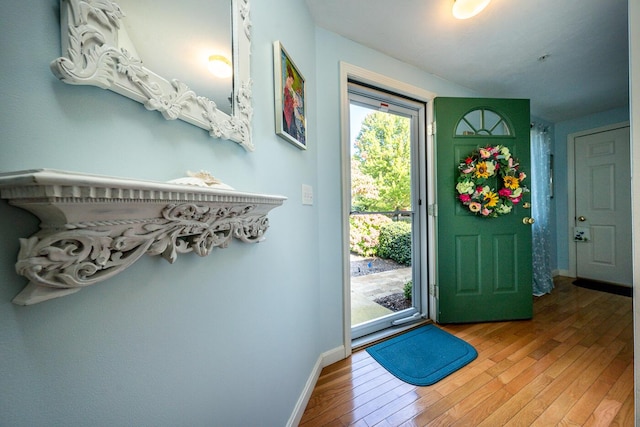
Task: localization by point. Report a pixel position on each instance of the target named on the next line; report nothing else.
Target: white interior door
(602, 228)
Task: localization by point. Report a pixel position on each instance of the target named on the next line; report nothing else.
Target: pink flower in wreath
(522, 176)
(465, 198)
(516, 200)
(485, 212)
(504, 192)
(484, 153)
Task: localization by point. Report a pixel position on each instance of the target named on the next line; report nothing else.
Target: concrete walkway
(365, 289)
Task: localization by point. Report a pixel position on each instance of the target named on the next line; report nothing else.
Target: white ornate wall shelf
(93, 227)
(98, 52)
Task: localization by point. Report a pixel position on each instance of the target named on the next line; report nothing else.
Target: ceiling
(569, 57)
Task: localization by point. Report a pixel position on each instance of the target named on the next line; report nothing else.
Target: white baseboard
(565, 273)
(325, 359)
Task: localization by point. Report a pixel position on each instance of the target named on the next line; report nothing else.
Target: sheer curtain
(540, 210)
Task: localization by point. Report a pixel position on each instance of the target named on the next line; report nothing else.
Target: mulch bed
(394, 302)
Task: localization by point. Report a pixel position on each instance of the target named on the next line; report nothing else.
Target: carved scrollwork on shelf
(63, 258)
(82, 257)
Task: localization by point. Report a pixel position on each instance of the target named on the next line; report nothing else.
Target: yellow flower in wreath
(484, 170)
(511, 182)
(491, 198)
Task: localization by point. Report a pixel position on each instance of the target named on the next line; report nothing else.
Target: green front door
(483, 234)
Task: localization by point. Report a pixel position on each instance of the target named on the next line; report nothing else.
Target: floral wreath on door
(479, 170)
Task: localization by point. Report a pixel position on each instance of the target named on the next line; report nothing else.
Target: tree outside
(381, 164)
(381, 182)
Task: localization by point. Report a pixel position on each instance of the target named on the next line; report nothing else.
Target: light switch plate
(307, 194)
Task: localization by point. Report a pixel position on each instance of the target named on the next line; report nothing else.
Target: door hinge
(431, 129)
(434, 291)
(432, 210)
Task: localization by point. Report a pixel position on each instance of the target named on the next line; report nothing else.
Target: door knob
(528, 220)
(581, 218)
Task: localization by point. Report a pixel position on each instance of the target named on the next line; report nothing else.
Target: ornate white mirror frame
(95, 56)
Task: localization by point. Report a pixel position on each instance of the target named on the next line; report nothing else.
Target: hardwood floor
(571, 365)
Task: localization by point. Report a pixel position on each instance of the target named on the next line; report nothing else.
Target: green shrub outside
(395, 242)
(408, 288)
(364, 233)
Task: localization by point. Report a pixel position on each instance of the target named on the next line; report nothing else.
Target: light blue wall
(226, 340)
(559, 203)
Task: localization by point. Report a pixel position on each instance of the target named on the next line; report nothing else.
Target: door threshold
(368, 340)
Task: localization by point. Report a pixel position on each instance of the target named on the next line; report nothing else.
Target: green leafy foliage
(363, 188)
(364, 233)
(395, 242)
(408, 290)
(382, 164)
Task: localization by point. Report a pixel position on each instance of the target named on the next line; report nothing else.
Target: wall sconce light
(463, 9)
(220, 66)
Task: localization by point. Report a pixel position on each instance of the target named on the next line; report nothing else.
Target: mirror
(114, 45)
(183, 55)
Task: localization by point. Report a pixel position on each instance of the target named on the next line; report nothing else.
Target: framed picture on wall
(290, 98)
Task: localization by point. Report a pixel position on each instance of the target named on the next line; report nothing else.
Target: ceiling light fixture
(220, 66)
(463, 9)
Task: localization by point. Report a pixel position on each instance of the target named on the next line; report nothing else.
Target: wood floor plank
(582, 410)
(507, 376)
(536, 407)
(380, 414)
(467, 404)
(502, 415)
(571, 365)
(604, 414)
(452, 398)
(345, 402)
(566, 400)
(427, 398)
(623, 387)
(381, 399)
(476, 415)
(625, 416)
(512, 348)
(557, 368)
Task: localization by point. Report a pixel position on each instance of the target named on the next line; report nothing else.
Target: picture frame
(290, 98)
